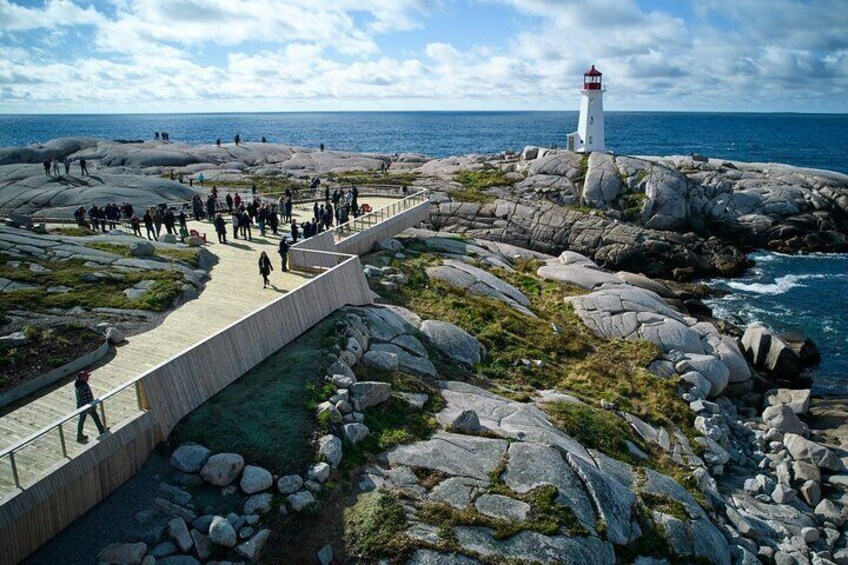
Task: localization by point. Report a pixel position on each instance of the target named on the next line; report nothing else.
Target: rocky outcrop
(550, 228)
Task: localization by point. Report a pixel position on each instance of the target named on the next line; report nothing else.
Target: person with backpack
(221, 228)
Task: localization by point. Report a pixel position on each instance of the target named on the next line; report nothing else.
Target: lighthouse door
(571, 143)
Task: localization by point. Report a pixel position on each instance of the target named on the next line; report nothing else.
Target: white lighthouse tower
(590, 128)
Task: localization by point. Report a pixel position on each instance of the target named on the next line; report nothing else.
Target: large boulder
(782, 418)
(453, 341)
(796, 399)
(222, 469)
(190, 457)
(805, 450)
(602, 185)
(769, 353)
(142, 249)
(710, 367)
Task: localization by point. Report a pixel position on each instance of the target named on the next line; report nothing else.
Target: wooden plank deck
(234, 290)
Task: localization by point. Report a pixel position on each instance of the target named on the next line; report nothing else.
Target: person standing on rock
(83, 167)
(218, 142)
(210, 207)
(283, 250)
(157, 222)
(265, 268)
(55, 162)
(136, 225)
(237, 139)
(148, 224)
(221, 228)
(84, 398)
(67, 163)
(170, 221)
(46, 164)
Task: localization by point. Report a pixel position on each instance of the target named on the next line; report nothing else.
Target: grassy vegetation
(632, 204)
(595, 428)
(47, 349)
(373, 177)
(572, 358)
(475, 183)
(394, 422)
(375, 526)
(189, 256)
(107, 292)
(268, 415)
(72, 231)
(583, 168)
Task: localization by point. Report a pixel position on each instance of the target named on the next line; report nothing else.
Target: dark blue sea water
(808, 140)
(797, 292)
(806, 293)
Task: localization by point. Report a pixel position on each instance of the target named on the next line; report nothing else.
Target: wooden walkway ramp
(235, 290)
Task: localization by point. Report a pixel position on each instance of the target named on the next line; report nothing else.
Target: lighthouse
(590, 127)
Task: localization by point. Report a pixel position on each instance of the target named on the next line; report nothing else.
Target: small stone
(222, 469)
(300, 500)
(221, 532)
(330, 449)
(829, 511)
(245, 532)
(354, 433)
(319, 472)
(252, 548)
(178, 531)
(783, 494)
(255, 479)
(325, 555)
(810, 535)
(289, 484)
(258, 503)
(343, 381)
(466, 422)
(123, 553)
(312, 486)
(190, 457)
(201, 545)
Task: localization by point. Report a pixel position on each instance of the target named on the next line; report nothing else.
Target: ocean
(806, 140)
(805, 293)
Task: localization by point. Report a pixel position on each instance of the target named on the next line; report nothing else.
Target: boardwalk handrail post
(15, 476)
(62, 442)
(103, 412)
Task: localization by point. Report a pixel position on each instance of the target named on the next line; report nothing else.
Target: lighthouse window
(590, 139)
(591, 120)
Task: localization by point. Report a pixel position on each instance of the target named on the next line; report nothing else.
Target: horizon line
(763, 112)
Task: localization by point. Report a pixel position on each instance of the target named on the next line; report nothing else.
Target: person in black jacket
(265, 268)
(294, 231)
(221, 228)
(148, 223)
(283, 250)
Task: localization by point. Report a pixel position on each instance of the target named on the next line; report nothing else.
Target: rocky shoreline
(749, 468)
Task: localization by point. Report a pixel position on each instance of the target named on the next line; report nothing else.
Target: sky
(128, 56)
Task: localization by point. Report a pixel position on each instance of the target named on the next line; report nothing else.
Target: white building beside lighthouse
(590, 127)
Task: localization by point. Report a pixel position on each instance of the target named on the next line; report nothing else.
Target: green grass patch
(189, 256)
(475, 183)
(73, 231)
(120, 249)
(266, 415)
(107, 293)
(375, 527)
(582, 168)
(595, 428)
(360, 178)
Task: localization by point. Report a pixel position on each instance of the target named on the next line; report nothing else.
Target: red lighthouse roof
(593, 72)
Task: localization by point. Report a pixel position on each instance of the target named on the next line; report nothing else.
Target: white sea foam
(780, 285)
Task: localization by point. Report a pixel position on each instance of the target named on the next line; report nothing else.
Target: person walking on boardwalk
(294, 231)
(157, 221)
(288, 209)
(283, 250)
(265, 268)
(234, 219)
(244, 224)
(221, 228)
(84, 398)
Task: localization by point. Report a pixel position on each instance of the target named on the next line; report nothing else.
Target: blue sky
(61, 56)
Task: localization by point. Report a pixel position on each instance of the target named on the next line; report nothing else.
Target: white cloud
(267, 54)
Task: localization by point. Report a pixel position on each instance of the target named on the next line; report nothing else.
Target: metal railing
(15, 452)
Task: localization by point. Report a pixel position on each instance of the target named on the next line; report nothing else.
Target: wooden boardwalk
(235, 290)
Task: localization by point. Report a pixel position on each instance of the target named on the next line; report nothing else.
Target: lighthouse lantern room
(590, 127)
